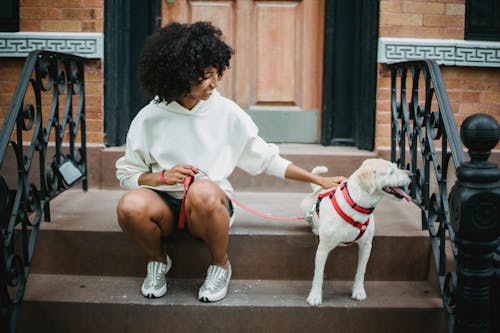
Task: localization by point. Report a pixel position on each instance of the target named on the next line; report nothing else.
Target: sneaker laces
(156, 273)
(216, 277)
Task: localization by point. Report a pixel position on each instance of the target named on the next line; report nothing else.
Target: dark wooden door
(127, 23)
(350, 73)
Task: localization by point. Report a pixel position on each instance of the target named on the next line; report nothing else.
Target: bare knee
(204, 197)
(131, 208)
(206, 210)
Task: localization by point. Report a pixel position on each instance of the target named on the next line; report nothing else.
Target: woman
(190, 130)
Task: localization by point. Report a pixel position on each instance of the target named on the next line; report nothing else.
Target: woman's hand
(297, 173)
(329, 182)
(176, 174)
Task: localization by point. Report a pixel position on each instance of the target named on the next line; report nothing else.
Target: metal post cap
(480, 133)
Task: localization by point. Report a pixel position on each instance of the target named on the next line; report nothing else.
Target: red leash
(190, 179)
(182, 214)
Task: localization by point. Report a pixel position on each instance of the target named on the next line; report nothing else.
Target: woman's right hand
(176, 174)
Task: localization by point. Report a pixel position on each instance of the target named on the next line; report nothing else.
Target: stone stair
(86, 273)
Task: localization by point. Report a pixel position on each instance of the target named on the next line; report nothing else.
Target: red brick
(443, 20)
(384, 81)
(384, 94)
(93, 101)
(93, 88)
(38, 13)
(455, 9)
(470, 97)
(94, 137)
(92, 3)
(78, 14)
(94, 125)
(453, 33)
(401, 19)
(452, 84)
(383, 106)
(490, 96)
(413, 32)
(88, 26)
(63, 3)
(423, 8)
(26, 3)
(99, 26)
(29, 25)
(390, 7)
(384, 118)
(61, 26)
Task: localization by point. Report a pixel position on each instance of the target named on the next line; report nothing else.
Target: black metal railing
(39, 159)
(463, 237)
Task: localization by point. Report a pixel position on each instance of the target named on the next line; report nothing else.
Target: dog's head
(384, 177)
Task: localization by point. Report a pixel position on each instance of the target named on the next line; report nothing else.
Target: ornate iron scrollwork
(424, 129)
(465, 218)
(45, 120)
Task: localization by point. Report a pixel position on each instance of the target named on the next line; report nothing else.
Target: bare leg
(144, 216)
(207, 218)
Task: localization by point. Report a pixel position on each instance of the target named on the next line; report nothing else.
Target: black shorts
(175, 204)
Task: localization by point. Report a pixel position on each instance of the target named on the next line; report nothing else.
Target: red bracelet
(162, 178)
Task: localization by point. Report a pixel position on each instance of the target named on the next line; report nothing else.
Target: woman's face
(201, 90)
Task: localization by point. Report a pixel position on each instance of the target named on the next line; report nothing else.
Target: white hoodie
(215, 136)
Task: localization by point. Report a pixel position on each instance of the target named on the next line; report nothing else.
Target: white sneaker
(231, 219)
(155, 283)
(215, 286)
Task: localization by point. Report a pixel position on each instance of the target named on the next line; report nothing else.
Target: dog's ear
(366, 180)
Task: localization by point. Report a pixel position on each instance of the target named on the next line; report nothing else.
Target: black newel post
(475, 209)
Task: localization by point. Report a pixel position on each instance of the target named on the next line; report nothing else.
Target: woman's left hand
(331, 182)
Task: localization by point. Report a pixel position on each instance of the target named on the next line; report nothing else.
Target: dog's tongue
(401, 193)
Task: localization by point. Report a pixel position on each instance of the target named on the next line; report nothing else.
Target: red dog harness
(331, 194)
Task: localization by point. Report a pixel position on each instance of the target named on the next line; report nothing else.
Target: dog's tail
(318, 170)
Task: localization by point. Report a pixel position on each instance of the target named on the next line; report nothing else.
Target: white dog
(344, 215)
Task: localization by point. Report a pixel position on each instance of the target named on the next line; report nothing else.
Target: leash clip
(309, 214)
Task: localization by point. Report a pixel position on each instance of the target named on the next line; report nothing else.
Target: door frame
(126, 25)
(350, 78)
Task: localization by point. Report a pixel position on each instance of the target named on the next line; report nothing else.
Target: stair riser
(76, 317)
(252, 256)
(102, 171)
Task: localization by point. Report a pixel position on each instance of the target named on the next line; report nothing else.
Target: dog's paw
(359, 294)
(314, 299)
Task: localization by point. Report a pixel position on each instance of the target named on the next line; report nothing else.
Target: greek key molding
(19, 44)
(444, 51)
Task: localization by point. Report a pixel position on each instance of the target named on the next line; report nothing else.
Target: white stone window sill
(449, 52)
(85, 44)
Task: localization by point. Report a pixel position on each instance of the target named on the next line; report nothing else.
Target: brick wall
(61, 16)
(470, 89)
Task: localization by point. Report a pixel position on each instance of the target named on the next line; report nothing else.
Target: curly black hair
(174, 58)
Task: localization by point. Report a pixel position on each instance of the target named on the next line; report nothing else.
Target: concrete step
(85, 239)
(339, 160)
(62, 303)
